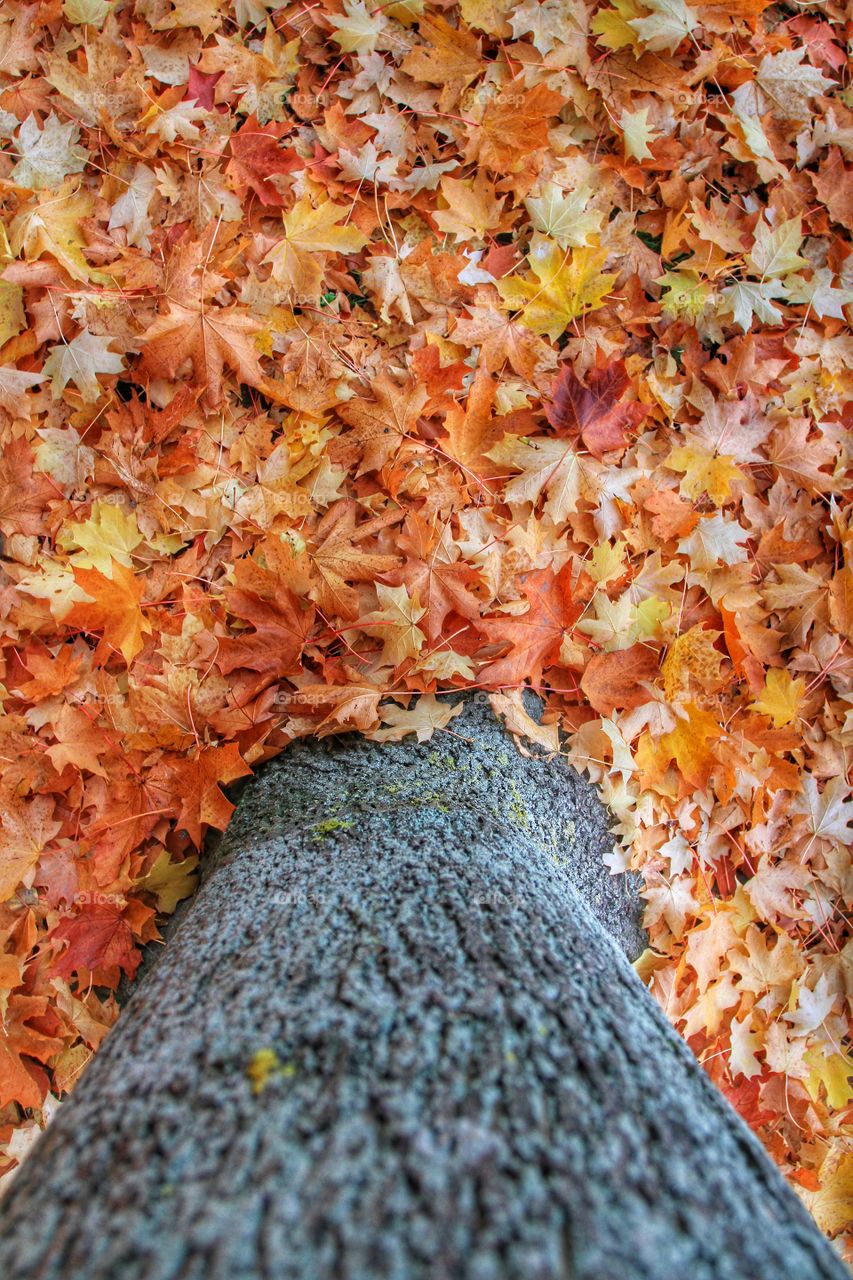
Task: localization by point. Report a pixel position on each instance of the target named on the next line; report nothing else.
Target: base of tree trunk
(389, 1040)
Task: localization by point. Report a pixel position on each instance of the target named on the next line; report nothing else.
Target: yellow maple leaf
(692, 654)
(307, 232)
(610, 26)
(52, 226)
(833, 1072)
(780, 698)
(832, 1203)
(705, 473)
(689, 745)
(107, 535)
(560, 288)
(170, 882)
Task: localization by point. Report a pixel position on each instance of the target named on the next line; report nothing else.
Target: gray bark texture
(395, 1036)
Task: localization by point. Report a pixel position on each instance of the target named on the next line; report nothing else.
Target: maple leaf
(565, 216)
(52, 226)
(107, 535)
(340, 707)
(612, 680)
(379, 425)
(80, 361)
(548, 466)
(169, 881)
(748, 300)
(813, 1006)
(112, 606)
(20, 1041)
(48, 155)
(774, 250)
(358, 30)
(308, 231)
(829, 813)
(189, 786)
(562, 287)
(799, 455)
(282, 625)
(427, 715)
(257, 158)
(786, 83)
(689, 745)
(536, 636)
(705, 473)
(715, 540)
(596, 411)
(669, 900)
(637, 133)
(668, 23)
(79, 742)
(440, 582)
(395, 623)
(745, 1043)
(501, 342)
(210, 339)
(15, 384)
(450, 56)
(473, 207)
(780, 698)
(763, 966)
(841, 601)
(339, 560)
(24, 494)
(99, 940)
(709, 945)
(516, 124)
(131, 210)
(28, 826)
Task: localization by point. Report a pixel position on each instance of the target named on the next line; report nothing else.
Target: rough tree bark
(389, 1040)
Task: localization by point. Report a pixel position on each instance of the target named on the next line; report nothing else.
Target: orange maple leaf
(21, 1046)
(190, 787)
(535, 637)
(114, 609)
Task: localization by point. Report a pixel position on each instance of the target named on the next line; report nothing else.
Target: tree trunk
(389, 1040)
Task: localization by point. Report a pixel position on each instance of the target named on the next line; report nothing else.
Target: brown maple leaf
(615, 680)
(256, 158)
(25, 494)
(189, 787)
(379, 425)
(514, 124)
(503, 342)
(282, 623)
(441, 583)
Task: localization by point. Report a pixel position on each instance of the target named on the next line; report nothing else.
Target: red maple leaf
(99, 938)
(595, 412)
(256, 157)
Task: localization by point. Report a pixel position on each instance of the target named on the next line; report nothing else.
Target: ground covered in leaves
(354, 352)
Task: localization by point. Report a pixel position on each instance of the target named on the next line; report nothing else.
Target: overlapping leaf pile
(351, 352)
